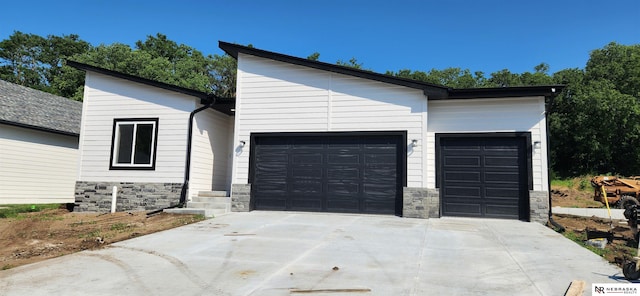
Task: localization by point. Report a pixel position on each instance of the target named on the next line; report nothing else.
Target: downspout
(555, 224)
(187, 166)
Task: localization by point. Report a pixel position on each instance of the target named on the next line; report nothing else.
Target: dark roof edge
(505, 92)
(138, 79)
(39, 128)
(431, 90)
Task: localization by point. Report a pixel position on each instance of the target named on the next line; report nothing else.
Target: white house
(38, 146)
(134, 136)
(304, 135)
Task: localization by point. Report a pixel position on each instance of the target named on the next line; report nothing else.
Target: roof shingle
(32, 108)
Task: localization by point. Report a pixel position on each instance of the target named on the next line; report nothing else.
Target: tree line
(594, 124)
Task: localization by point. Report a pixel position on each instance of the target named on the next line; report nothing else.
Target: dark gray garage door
(327, 173)
(484, 177)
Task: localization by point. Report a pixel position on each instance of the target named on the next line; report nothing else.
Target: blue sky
(481, 35)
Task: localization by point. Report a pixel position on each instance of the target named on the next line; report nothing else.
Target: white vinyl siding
(210, 152)
(36, 166)
(274, 96)
(490, 115)
(107, 98)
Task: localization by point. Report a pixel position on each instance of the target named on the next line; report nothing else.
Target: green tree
(314, 56)
(35, 61)
(353, 63)
(20, 59)
(223, 75)
(619, 64)
(595, 122)
(59, 48)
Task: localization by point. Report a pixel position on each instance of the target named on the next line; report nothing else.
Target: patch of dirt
(573, 198)
(622, 247)
(33, 237)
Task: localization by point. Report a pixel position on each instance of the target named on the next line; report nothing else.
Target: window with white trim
(134, 144)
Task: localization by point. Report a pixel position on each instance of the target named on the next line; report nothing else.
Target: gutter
(187, 166)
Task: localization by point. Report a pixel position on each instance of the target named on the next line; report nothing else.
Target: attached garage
(313, 136)
(328, 172)
(484, 175)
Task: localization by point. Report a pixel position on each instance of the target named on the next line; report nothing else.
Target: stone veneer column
(539, 206)
(240, 197)
(420, 203)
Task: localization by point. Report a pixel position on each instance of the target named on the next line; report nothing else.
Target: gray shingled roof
(32, 108)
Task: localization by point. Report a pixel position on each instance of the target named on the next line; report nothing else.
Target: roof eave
(175, 88)
(431, 90)
(505, 92)
(40, 128)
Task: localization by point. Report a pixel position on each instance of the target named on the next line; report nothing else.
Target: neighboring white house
(310, 136)
(38, 146)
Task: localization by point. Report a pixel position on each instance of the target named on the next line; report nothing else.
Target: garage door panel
(271, 187)
(374, 191)
(388, 158)
(272, 204)
(342, 173)
(342, 190)
(502, 211)
(483, 176)
(463, 146)
(357, 174)
(306, 172)
(462, 209)
(344, 158)
(303, 205)
(502, 193)
(379, 208)
(462, 176)
(496, 161)
(502, 146)
(306, 143)
(512, 178)
(309, 159)
(462, 161)
(462, 192)
(379, 174)
(306, 186)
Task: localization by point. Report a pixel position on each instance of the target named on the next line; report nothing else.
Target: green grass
(120, 227)
(580, 239)
(12, 211)
(582, 183)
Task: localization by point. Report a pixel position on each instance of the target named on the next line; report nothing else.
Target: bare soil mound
(33, 237)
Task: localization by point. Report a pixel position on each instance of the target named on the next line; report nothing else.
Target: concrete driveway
(284, 253)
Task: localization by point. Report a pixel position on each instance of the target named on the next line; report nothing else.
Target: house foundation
(131, 196)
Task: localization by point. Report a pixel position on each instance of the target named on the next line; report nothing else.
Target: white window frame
(115, 144)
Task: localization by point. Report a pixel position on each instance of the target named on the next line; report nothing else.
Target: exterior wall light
(242, 143)
(537, 145)
(414, 143)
